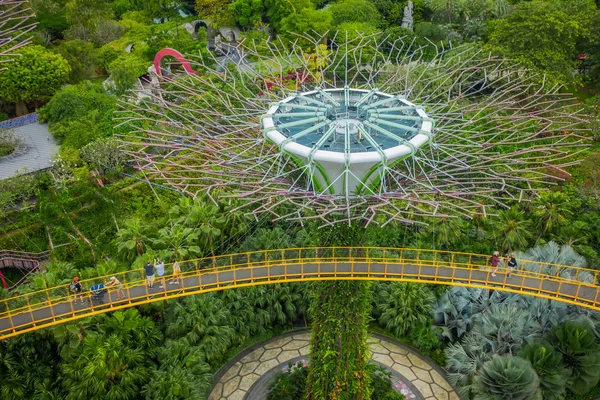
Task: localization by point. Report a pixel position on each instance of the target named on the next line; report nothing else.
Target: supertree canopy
(367, 128)
(15, 23)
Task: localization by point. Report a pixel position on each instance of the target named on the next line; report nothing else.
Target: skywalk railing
(560, 282)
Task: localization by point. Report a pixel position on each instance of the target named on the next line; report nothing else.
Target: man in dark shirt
(149, 270)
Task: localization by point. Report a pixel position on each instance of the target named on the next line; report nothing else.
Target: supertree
(15, 24)
(365, 128)
(353, 128)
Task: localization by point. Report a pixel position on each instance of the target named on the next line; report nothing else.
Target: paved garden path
(247, 376)
(41, 147)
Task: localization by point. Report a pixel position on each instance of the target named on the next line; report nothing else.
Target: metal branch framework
(500, 132)
(15, 25)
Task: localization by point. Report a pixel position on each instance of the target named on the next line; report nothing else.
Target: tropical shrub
(550, 370)
(581, 353)
(404, 306)
(506, 377)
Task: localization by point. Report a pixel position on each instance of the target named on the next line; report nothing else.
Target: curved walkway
(248, 376)
(40, 147)
(54, 306)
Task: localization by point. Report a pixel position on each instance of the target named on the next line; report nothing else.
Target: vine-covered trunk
(339, 351)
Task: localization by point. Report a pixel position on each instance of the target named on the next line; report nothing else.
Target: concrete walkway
(41, 147)
(248, 376)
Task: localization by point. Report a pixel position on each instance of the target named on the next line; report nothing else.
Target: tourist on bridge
(512, 264)
(160, 271)
(115, 282)
(77, 289)
(176, 273)
(495, 262)
(149, 270)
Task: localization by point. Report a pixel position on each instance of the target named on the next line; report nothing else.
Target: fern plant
(507, 377)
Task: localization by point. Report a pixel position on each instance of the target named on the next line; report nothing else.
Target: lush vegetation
(99, 217)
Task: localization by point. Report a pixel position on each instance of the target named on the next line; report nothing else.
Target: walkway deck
(54, 306)
(41, 147)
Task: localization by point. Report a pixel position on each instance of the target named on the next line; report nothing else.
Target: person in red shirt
(495, 262)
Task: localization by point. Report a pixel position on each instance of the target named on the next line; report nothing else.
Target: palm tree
(510, 230)
(202, 321)
(133, 238)
(552, 210)
(445, 231)
(104, 368)
(404, 306)
(178, 242)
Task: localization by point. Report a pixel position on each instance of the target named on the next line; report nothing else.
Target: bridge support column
(339, 353)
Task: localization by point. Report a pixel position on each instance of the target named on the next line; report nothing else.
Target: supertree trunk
(339, 349)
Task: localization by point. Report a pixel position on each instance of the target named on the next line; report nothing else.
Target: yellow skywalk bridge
(54, 306)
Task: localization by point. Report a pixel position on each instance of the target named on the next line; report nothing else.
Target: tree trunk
(339, 350)
(21, 108)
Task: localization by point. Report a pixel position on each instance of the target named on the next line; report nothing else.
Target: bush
(548, 365)
(577, 344)
(506, 377)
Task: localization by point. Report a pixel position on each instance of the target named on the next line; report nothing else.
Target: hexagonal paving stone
(249, 367)
(231, 386)
(278, 343)
(287, 355)
(422, 374)
(270, 354)
(237, 395)
(440, 380)
(422, 387)
(265, 366)
(439, 392)
(453, 396)
(253, 356)
(404, 371)
(393, 348)
(378, 348)
(302, 336)
(231, 372)
(216, 392)
(384, 359)
(304, 350)
(248, 381)
(419, 362)
(401, 359)
(296, 344)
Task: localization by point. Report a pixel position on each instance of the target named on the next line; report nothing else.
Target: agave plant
(548, 365)
(507, 377)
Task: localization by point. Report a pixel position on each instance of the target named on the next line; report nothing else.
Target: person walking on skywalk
(77, 289)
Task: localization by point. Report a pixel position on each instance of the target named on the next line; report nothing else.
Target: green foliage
(126, 70)
(79, 114)
(581, 353)
(277, 10)
(35, 75)
(538, 36)
(81, 57)
(507, 377)
(339, 349)
(289, 385)
(354, 11)
(403, 306)
(550, 370)
(247, 12)
(306, 20)
(510, 230)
